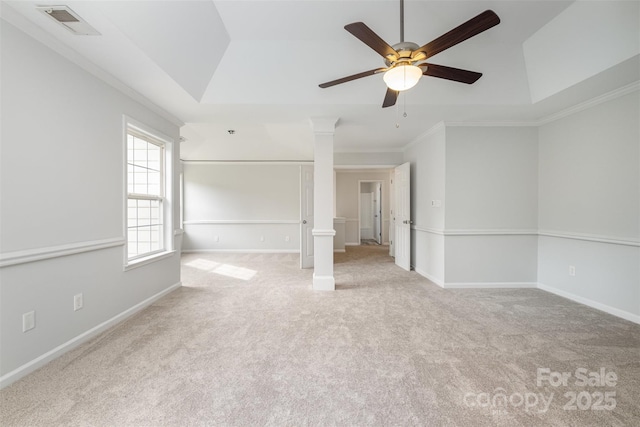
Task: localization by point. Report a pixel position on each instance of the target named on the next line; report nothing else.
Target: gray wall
(241, 206)
(62, 213)
(590, 205)
(427, 160)
(492, 205)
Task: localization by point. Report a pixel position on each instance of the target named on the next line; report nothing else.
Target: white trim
(47, 357)
(246, 251)
(351, 219)
(361, 149)
(363, 168)
(532, 123)
(491, 285)
(352, 244)
(428, 276)
(249, 162)
(319, 232)
(31, 255)
(500, 232)
(428, 230)
(242, 221)
(614, 240)
(433, 129)
(340, 250)
(616, 93)
(178, 232)
(140, 262)
(590, 237)
(593, 304)
(477, 232)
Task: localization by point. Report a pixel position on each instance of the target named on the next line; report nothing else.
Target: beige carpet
(247, 342)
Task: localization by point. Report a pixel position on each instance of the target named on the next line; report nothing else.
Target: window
(147, 211)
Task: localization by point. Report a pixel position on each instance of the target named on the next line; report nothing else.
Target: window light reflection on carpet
(203, 264)
(222, 269)
(235, 272)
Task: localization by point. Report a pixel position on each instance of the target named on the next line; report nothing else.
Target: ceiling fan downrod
(401, 21)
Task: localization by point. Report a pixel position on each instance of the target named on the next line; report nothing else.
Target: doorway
(370, 212)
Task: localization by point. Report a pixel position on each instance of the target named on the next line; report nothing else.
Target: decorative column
(323, 232)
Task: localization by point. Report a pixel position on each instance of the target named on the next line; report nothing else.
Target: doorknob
(304, 221)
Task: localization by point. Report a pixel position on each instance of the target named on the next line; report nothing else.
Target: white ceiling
(255, 66)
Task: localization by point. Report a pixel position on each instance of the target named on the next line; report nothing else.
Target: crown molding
(433, 129)
(609, 96)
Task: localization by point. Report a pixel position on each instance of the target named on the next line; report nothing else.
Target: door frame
(360, 182)
(306, 219)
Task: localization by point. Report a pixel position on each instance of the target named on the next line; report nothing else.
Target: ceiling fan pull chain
(404, 105)
(397, 115)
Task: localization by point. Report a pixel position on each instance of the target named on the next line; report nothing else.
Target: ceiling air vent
(70, 20)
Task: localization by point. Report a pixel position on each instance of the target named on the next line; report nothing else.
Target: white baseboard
(352, 244)
(426, 275)
(532, 285)
(339, 250)
(42, 360)
(593, 304)
(492, 285)
(243, 251)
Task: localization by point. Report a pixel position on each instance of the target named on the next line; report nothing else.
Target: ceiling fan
(405, 60)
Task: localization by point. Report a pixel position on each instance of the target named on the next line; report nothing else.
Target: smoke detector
(70, 20)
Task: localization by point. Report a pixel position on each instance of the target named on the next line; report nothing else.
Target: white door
(306, 216)
(377, 214)
(402, 212)
(366, 216)
(392, 215)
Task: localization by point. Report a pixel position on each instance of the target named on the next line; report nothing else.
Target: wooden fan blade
(371, 39)
(450, 73)
(352, 77)
(390, 98)
(472, 27)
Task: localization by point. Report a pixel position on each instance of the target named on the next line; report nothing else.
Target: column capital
(326, 125)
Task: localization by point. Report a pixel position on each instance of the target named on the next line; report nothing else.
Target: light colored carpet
(247, 342)
(369, 242)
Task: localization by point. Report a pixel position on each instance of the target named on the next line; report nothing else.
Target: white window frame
(151, 135)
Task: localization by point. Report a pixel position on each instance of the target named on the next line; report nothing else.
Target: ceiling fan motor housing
(404, 49)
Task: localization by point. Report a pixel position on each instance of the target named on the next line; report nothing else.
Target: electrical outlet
(77, 302)
(572, 270)
(286, 238)
(28, 321)
(262, 238)
(216, 238)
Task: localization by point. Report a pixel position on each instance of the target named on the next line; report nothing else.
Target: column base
(324, 283)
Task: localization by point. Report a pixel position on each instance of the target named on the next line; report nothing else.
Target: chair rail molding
(31, 255)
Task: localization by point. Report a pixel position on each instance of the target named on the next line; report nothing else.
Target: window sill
(148, 260)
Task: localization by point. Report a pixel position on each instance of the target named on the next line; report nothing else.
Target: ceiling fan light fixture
(402, 77)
